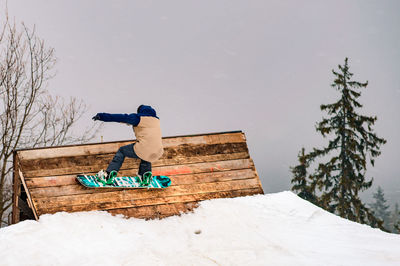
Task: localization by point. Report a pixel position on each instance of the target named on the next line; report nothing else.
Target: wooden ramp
(201, 167)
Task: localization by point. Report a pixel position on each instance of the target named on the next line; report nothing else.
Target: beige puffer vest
(148, 144)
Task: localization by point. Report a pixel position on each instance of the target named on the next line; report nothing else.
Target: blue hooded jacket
(131, 119)
(146, 126)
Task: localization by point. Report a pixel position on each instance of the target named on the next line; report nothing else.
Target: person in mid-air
(148, 146)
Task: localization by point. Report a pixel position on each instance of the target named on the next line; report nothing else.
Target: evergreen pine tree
(380, 208)
(300, 183)
(395, 220)
(352, 143)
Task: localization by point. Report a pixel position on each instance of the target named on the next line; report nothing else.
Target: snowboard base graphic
(91, 181)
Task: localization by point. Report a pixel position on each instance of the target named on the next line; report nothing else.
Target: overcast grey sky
(263, 67)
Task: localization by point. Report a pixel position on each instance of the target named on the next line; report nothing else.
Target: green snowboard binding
(144, 180)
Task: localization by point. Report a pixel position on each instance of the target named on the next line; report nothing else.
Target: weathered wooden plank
(212, 177)
(101, 148)
(202, 167)
(157, 211)
(75, 189)
(69, 151)
(204, 139)
(43, 204)
(156, 201)
(49, 181)
(128, 166)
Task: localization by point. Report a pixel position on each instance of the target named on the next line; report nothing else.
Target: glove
(96, 117)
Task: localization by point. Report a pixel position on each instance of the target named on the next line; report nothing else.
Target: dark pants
(128, 151)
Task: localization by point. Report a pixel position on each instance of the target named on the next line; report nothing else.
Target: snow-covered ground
(273, 229)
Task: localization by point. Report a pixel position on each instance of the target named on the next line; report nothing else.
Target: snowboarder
(148, 146)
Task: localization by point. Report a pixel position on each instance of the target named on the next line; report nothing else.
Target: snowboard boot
(101, 176)
(105, 177)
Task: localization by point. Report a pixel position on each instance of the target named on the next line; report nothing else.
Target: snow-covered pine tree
(352, 143)
(380, 208)
(301, 185)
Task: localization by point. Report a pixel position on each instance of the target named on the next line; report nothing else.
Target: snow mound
(273, 229)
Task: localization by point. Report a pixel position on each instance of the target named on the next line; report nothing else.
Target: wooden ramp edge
(201, 167)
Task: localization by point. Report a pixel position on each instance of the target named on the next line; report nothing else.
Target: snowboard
(91, 181)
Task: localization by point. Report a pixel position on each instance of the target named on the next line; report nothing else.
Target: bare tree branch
(29, 115)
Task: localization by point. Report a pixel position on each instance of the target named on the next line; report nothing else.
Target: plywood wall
(201, 167)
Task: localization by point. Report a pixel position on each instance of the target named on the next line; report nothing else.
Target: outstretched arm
(132, 119)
